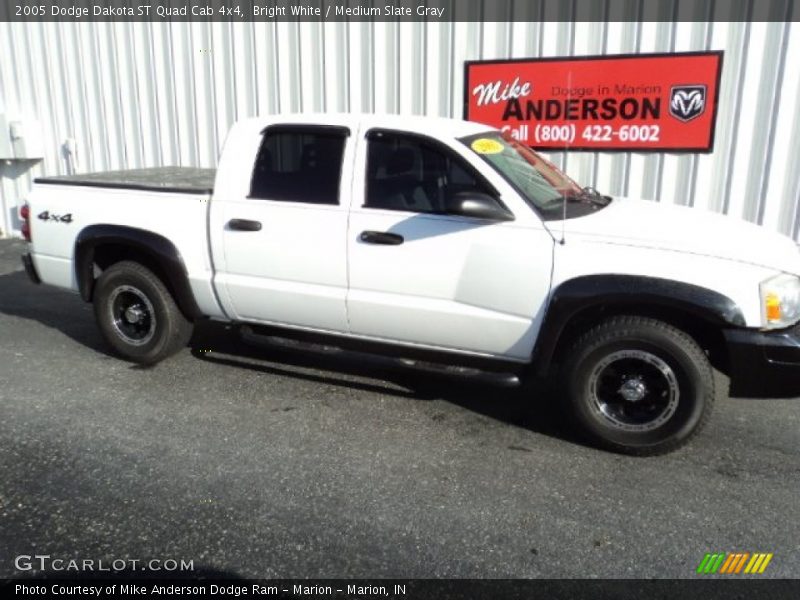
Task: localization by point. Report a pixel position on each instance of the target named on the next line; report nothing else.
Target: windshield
(541, 183)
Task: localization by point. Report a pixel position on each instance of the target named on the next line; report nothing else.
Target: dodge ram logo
(687, 102)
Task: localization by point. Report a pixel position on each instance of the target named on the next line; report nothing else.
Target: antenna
(566, 149)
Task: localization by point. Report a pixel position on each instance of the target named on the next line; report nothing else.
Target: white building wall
(126, 95)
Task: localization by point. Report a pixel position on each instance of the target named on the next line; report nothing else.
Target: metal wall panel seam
(668, 30)
(766, 166)
(733, 138)
(706, 45)
(637, 47)
(796, 232)
(323, 72)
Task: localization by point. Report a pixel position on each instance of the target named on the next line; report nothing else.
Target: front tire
(638, 386)
(137, 314)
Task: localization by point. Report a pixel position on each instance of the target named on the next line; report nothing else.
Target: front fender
(575, 296)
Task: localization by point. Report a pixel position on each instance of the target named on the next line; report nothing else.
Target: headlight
(780, 301)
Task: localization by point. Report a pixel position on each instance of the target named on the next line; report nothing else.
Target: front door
(421, 276)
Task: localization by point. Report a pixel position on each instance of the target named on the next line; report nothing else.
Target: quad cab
(440, 239)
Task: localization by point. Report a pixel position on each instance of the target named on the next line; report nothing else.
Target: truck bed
(186, 180)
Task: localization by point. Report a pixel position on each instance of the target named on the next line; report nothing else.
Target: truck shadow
(529, 407)
(532, 406)
(51, 307)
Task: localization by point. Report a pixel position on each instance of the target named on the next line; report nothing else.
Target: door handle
(381, 237)
(244, 225)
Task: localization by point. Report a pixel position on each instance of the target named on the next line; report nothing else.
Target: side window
(300, 165)
(406, 173)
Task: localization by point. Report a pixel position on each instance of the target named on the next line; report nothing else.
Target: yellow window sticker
(487, 146)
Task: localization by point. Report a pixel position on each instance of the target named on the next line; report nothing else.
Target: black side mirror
(478, 206)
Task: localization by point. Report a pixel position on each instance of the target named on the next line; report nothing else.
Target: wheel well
(107, 255)
(707, 334)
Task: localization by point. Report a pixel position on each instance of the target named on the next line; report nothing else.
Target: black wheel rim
(634, 390)
(132, 315)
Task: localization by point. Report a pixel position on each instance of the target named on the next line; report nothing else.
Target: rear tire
(638, 386)
(137, 314)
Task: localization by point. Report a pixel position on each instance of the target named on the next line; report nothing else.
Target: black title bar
(400, 10)
(407, 589)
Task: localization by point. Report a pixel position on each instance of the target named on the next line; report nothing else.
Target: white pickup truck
(438, 239)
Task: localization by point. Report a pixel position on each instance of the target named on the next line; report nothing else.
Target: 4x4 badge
(687, 102)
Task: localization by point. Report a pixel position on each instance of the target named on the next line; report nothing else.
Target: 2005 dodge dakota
(434, 238)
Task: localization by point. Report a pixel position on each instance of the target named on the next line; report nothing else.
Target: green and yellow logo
(734, 563)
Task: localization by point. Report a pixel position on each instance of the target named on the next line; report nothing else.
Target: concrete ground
(279, 463)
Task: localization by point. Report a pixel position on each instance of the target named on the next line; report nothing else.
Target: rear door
(280, 250)
(424, 277)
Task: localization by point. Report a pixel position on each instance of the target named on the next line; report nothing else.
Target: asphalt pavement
(278, 462)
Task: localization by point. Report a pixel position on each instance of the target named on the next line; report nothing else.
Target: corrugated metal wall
(124, 95)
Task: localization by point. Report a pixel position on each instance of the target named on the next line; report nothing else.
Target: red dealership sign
(639, 102)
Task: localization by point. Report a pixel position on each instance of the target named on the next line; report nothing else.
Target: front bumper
(30, 268)
(764, 364)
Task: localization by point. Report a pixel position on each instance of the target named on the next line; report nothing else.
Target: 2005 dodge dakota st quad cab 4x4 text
(441, 239)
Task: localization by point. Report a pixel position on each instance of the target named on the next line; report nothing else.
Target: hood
(646, 224)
